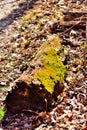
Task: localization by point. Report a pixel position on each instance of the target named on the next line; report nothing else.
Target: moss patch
(53, 70)
(1, 114)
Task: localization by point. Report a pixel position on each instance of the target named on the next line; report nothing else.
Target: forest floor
(23, 29)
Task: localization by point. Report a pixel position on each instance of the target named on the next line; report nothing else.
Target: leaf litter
(63, 18)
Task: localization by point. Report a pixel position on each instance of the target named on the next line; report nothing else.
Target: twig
(31, 111)
(74, 25)
(85, 47)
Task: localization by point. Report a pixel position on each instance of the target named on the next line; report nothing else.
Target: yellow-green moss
(53, 70)
(1, 114)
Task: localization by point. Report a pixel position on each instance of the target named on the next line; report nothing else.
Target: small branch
(85, 48)
(31, 111)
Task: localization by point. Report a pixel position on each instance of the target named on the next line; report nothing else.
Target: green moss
(53, 70)
(1, 114)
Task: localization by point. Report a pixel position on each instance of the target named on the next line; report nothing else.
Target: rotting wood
(39, 86)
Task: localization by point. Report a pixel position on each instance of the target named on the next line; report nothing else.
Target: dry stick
(85, 48)
(74, 25)
(31, 111)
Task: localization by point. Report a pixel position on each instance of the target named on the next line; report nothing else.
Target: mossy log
(38, 87)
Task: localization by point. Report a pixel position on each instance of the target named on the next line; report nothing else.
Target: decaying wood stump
(38, 87)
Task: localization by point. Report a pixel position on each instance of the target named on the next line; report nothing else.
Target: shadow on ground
(16, 13)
